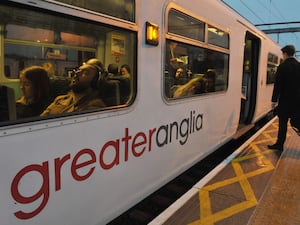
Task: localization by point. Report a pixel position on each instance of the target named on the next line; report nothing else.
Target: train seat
(7, 104)
(59, 86)
(110, 92)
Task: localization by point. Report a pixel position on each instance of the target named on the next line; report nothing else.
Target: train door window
(120, 9)
(60, 43)
(271, 68)
(192, 66)
(250, 77)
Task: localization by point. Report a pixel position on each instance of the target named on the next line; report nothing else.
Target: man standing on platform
(287, 82)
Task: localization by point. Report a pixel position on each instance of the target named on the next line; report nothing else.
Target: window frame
(121, 26)
(272, 63)
(169, 36)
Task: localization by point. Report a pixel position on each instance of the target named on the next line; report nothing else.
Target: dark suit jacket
(287, 86)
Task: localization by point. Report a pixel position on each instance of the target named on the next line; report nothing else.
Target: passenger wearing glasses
(84, 94)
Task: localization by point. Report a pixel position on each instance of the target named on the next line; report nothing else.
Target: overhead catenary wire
(266, 14)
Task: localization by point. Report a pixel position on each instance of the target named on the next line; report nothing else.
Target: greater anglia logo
(130, 146)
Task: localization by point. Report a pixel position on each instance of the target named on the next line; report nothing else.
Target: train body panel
(265, 88)
(88, 168)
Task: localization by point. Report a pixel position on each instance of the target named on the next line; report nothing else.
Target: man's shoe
(276, 146)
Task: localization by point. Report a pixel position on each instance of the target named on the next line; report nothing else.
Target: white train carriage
(88, 167)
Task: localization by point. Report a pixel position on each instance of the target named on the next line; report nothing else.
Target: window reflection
(60, 44)
(271, 68)
(120, 9)
(184, 25)
(218, 37)
(185, 62)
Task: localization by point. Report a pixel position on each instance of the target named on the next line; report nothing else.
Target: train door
(250, 76)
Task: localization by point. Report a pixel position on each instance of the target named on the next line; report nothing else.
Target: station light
(152, 33)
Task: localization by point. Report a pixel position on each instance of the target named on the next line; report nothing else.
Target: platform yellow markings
(218, 216)
(207, 217)
(245, 185)
(205, 208)
(236, 179)
(270, 136)
(253, 155)
(273, 129)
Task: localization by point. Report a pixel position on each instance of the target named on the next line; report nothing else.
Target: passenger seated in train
(124, 81)
(176, 62)
(182, 76)
(113, 69)
(197, 85)
(59, 85)
(199, 64)
(125, 71)
(7, 104)
(34, 82)
(84, 93)
(48, 66)
(169, 69)
(210, 75)
(126, 84)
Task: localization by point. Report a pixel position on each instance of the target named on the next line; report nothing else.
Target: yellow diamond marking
(207, 217)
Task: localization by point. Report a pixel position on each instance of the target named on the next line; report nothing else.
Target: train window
(120, 9)
(192, 70)
(271, 68)
(218, 37)
(184, 25)
(59, 44)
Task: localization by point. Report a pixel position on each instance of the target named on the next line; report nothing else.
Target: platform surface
(280, 203)
(245, 190)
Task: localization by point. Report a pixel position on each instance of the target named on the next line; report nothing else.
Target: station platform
(253, 186)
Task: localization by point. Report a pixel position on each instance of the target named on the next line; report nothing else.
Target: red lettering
(57, 168)
(136, 144)
(84, 160)
(76, 165)
(44, 190)
(116, 146)
(151, 132)
(126, 139)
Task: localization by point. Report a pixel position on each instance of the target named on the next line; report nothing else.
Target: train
(90, 166)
